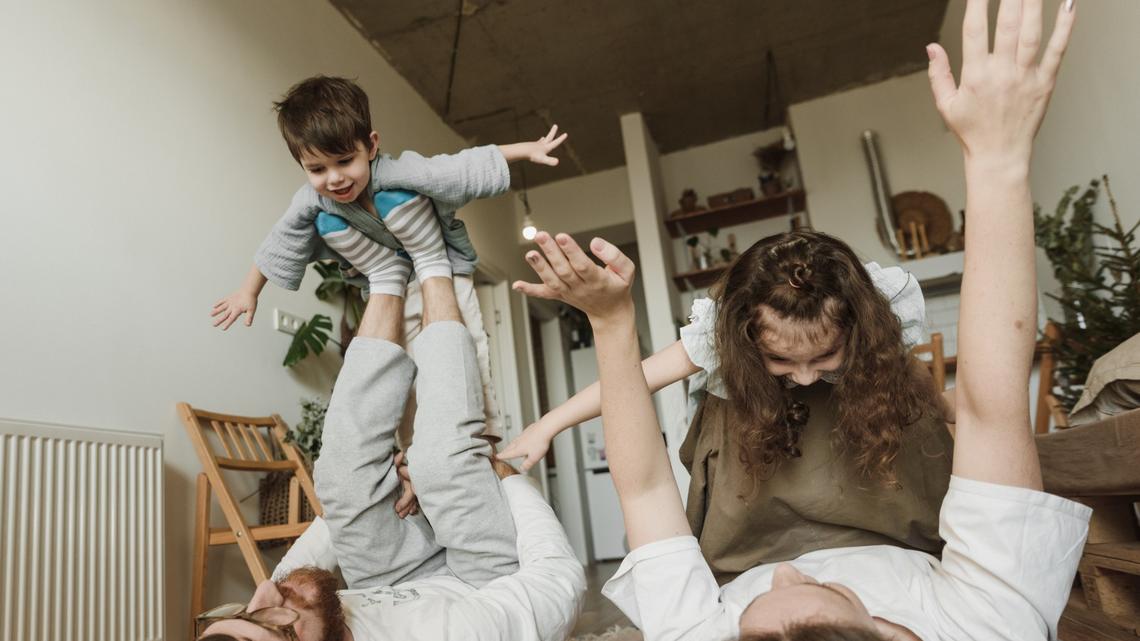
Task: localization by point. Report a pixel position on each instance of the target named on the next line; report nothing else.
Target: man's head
(311, 592)
(328, 129)
(799, 608)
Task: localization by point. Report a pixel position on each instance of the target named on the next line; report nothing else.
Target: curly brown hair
(816, 279)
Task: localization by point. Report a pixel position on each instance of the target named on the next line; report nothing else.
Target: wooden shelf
(787, 203)
(698, 279)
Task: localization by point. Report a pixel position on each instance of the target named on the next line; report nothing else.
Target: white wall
(1090, 130)
(601, 200)
(653, 247)
(142, 168)
(918, 153)
(580, 204)
(1093, 121)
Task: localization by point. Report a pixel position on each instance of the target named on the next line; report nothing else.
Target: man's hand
(407, 504)
(997, 108)
(229, 309)
(537, 152)
(568, 275)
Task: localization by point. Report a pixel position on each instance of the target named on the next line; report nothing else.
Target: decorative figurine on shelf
(688, 203)
(699, 254)
(729, 253)
(771, 159)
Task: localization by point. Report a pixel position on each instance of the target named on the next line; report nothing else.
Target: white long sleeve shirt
(540, 602)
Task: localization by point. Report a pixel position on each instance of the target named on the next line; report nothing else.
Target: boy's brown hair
(324, 114)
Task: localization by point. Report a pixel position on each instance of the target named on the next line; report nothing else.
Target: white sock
(386, 269)
(412, 220)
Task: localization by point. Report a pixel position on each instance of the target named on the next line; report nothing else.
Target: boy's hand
(229, 309)
(533, 444)
(997, 108)
(537, 152)
(568, 275)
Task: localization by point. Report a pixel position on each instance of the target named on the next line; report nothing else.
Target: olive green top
(818, 500)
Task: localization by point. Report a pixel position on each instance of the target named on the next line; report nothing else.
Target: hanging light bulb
(529, 229)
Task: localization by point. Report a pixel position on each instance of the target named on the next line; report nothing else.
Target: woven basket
(273, 505)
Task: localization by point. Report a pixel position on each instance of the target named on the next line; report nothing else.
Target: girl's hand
(997, 108)
(533, 444)
(568, 275)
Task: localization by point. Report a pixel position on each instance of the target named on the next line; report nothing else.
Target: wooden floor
(598, 614)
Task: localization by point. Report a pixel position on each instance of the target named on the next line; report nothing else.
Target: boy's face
(341, 177)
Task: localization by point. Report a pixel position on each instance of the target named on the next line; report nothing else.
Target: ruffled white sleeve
(698, 336)
(699, 340)
(905, 295)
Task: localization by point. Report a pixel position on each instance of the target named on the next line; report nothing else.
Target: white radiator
(81, 540)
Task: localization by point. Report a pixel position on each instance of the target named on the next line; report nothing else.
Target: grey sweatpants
(465, 526)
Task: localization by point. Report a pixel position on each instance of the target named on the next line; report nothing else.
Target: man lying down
(1011, 549)
(460, 573)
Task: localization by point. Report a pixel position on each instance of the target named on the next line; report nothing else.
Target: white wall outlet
(285, 322)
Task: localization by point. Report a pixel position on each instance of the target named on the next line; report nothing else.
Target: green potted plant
(314, 334)
(1097, 267)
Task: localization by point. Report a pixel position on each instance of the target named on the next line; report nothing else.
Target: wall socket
(285, 322)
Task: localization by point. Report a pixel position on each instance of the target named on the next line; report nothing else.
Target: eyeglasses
(274, 619)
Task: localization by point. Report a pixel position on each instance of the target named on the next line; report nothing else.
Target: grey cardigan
(450, 180)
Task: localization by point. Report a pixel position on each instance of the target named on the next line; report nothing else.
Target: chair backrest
(937, 360)
(1048, 407)
(248, 444)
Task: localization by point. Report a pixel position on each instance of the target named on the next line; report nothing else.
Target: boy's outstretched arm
(242, 301)
(663, 368)
(537, 151)
(453, 180)
(995, 113)
(650, 501)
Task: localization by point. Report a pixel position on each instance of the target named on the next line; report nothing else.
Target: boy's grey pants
(468, 530)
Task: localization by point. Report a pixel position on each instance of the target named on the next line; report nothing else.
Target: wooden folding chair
(937, 362)
(247, 444)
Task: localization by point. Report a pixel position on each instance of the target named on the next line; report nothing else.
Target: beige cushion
(1113, 385)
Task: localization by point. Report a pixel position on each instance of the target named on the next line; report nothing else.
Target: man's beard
(316, 590)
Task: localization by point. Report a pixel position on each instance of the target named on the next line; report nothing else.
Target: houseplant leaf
(310, 338)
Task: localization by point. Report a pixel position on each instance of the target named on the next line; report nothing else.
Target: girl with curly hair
(814, 426)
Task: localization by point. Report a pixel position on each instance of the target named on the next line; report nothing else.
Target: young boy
(373, 213)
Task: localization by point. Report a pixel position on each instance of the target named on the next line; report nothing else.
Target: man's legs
(356, 480)
(458, 490)
(473, 319)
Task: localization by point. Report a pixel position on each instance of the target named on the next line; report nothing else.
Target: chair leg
(201, 546)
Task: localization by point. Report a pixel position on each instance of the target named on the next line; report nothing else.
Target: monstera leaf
(310, 338)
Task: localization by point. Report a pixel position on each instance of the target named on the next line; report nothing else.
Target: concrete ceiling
(695, 68)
